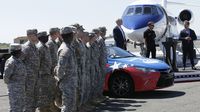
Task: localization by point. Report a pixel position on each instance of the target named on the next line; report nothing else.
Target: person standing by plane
(187, 36)
(149, 40)
(119, 35)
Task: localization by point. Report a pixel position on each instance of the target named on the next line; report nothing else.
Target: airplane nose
(138, 21)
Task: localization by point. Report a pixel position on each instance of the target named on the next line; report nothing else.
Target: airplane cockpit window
(159, 11)
(138, 10)
(154, 10)
(143, 10)
(147, 10)
(130, 11)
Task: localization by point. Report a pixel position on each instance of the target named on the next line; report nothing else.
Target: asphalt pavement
(182, 97)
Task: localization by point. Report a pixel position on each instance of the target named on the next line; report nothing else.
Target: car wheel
(121, 85)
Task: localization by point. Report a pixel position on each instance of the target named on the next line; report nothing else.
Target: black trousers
(152, 51)
(188, 52)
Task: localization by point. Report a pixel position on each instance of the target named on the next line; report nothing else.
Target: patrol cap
(66, 30)
(78, 26)
(15, 47)
(32, 32)
(54, 30)
(103, 29)
(91, 35)
(96, 30)
(42, 34)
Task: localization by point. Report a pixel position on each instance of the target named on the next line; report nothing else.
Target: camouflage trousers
(68, 88)
(81, 89)
(16, 93)
(30, 94)
(87, 87)
(46, 93)
(101, 79)
(49, 108)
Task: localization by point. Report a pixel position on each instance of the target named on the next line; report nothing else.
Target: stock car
(128, 73)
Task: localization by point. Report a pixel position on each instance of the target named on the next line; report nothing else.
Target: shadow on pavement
(3, 95)
(158, 94)
(131, 104)
(118, 105)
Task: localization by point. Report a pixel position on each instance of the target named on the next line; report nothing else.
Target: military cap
(78, 26)
(96, 30)
(15, 47)
(42, 34)
(103, 29)
(54, 30)
(66, 30)
(31, 32)
(92, 34)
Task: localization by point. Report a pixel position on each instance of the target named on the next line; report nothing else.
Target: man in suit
(187, 36)
(119, 35)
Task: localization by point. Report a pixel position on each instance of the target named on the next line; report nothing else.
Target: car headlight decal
(145, 69)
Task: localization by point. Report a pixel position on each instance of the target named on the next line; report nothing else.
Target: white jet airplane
(140, 12)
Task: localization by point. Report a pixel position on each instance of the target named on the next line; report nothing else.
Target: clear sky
(19, 15)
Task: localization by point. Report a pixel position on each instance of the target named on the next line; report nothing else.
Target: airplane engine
(185, 15)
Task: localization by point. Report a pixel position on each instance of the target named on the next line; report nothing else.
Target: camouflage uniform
(46, 81)
(88, 72)
(15, 76)
(67, 74)
(32, 63)
(102, 63)
(53, 47)
(95, 54)
(80, 52)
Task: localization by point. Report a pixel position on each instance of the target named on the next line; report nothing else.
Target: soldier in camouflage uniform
(54, 34)
(102, 58)
(14, 77)
(80, 52)
(46, 81)
(89, 66)
(52, 45)
(94, 66)
(87, 80)
(66, 71)
(32, 63)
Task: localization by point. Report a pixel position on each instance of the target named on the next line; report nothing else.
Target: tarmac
(186, 75)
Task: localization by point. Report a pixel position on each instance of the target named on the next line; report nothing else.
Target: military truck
(4, 55)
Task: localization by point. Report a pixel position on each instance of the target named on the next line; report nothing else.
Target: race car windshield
(115, 52)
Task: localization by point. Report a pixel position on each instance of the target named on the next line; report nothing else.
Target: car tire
(121, 85)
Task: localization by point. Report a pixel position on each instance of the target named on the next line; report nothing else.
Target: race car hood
(139, 62)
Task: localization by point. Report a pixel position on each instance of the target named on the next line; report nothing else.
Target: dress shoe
(193, 68)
